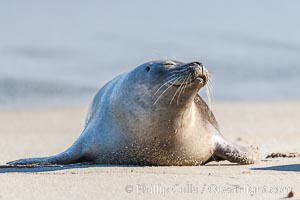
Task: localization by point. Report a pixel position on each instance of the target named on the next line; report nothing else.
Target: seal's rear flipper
(71, 155)
(234, 153)
(56, 160)
(59, 159)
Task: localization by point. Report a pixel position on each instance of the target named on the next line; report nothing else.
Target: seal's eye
(147, 68)
(169, 64)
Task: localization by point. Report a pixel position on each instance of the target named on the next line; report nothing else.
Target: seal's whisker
(175, 93)
(182, 87)
(175, 79)
(188, 80)
(209, 94)
(173, 76)
(211, 74)
(211, 77)
(179, 89)
(179, 71)
(177, 102)
(168, 81)
(165, 91)
(177, 74)
(211, 89)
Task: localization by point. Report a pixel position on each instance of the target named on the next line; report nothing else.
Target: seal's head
(167, 83)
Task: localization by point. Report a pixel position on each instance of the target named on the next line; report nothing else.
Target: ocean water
(60, 52)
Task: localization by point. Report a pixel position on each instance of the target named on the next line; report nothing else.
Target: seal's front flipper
(225, 150)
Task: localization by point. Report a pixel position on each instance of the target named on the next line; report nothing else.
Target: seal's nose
(198, 68)
(199, 71)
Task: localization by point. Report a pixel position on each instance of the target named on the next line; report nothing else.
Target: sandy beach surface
(273, 126)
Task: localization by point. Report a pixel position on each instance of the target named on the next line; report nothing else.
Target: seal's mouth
(202, 79)
(182, 82)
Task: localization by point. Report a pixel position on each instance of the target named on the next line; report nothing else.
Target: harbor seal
(151, 115)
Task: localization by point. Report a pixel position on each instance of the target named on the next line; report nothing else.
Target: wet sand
(274, 127)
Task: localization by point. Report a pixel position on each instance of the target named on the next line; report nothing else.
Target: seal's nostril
(197, 64)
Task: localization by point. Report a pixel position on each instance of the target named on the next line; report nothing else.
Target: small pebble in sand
(291, 194)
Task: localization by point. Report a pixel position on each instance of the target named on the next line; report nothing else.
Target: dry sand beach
(274, 127)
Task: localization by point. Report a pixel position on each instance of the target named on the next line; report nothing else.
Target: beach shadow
(285, 168)
(48, 168)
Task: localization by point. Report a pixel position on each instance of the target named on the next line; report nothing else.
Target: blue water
(60, 52)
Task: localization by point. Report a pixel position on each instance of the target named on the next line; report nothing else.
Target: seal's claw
(247, 157)
(27, 162)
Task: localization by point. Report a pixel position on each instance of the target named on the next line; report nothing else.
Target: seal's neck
(183, 120)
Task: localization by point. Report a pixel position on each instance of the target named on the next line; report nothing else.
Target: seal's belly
(168, 151)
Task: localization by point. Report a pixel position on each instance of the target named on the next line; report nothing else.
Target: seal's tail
(67, 157)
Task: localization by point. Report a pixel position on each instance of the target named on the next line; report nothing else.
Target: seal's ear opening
(147, 68)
